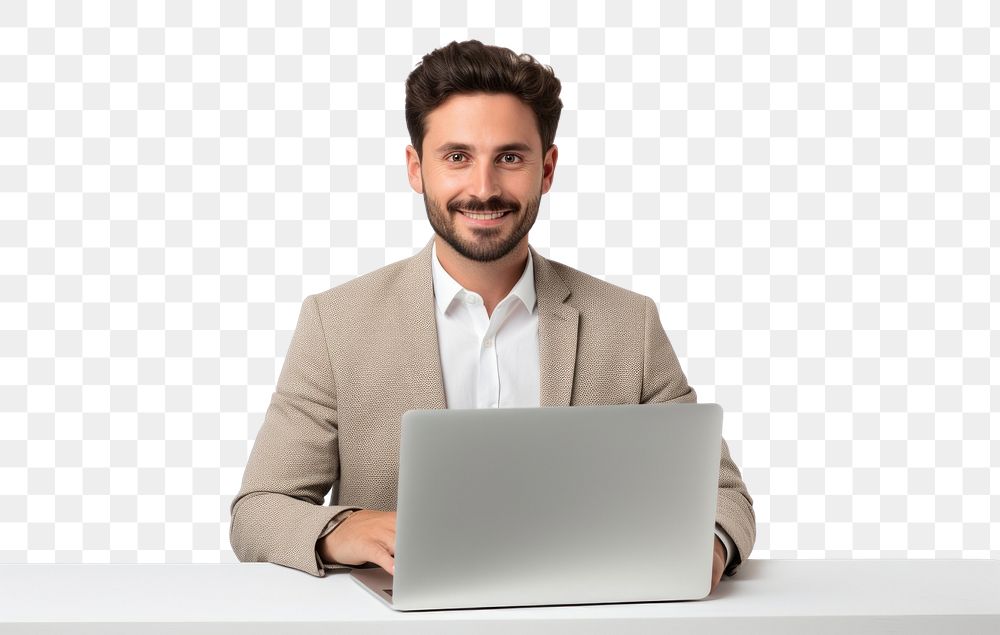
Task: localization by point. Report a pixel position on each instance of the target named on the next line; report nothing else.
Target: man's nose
(485, 181)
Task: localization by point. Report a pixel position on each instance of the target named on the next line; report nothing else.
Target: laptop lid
(574, 505)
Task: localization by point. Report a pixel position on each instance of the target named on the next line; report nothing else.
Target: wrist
(324, 545)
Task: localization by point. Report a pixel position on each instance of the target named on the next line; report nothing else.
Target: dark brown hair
(474, 67)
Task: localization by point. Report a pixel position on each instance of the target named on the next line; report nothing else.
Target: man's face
(482, 173)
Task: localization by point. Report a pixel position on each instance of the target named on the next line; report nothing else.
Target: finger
(384, 560)
(388, 540)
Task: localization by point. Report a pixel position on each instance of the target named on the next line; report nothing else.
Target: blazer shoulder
(369, 289)
(589, 293)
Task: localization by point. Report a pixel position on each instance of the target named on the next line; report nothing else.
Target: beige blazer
(366, 351)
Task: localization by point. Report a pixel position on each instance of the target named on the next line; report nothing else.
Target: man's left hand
(718, 563)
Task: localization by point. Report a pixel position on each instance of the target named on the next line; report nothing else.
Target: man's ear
(549, 168)
(413, 170)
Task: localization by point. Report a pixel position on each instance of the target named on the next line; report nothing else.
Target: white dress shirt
(488, 361)
(491, 361)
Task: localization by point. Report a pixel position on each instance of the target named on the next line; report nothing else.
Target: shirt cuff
(727, 542)
(330, 526)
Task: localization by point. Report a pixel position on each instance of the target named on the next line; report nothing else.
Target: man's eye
(509, 158)
(453, 155)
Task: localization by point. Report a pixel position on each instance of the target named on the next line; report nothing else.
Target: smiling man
(477, 319)
(482, 173)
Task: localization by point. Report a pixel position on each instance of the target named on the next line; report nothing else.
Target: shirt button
(488, 342)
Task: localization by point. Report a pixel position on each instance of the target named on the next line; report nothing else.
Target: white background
(805, 188)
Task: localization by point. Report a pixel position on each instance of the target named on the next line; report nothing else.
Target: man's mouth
(484, 215)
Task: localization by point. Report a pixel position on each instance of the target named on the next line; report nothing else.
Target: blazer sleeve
(663, 381)
(278, 514)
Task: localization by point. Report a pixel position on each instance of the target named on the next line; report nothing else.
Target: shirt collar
(446, 288)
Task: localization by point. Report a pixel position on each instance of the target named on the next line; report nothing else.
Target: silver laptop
(533, 506)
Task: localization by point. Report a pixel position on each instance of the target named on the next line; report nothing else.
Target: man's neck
(491, 280)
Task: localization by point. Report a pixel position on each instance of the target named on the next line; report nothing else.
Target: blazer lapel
(418, 324)
(558, 324)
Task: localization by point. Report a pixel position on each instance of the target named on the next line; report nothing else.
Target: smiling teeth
(484, 216)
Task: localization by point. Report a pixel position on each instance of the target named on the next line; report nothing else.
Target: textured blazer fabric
(366, 351)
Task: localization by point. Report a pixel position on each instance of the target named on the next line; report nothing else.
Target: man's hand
(718, 563)
(364, 536)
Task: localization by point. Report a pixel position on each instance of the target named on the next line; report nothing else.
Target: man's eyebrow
(452, 146)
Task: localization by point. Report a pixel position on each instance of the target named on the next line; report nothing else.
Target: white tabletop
(777, 596)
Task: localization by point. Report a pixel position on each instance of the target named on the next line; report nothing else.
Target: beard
(490, 243)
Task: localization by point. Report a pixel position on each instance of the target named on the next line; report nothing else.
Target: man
(476, 319)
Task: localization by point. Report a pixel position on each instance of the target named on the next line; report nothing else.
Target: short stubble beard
(491, 244)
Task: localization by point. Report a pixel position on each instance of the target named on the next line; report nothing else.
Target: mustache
(493, 204)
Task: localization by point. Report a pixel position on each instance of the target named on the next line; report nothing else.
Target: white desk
(773, 596)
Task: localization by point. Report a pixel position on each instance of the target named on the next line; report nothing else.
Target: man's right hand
(364, 536)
